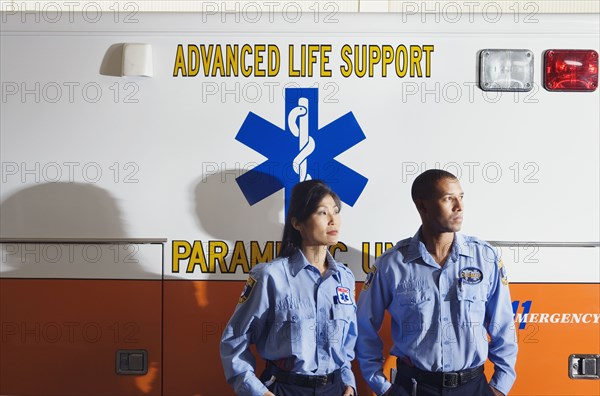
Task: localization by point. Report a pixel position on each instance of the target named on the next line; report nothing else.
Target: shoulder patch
(248, 287)
(370, 277)
(502, 269)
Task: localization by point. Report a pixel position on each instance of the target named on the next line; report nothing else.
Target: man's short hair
(424, 185)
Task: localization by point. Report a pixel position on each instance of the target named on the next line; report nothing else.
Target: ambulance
(147, 161)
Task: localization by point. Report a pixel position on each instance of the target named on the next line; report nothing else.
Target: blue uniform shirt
(441, 316)
(303, 322)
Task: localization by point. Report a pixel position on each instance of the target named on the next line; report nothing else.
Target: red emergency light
(571, 70)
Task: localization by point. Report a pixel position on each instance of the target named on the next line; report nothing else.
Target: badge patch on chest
(343, 295)
(248, 287)
(471, 275)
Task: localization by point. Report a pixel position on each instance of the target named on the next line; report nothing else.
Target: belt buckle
(450, 380)
(320, 380)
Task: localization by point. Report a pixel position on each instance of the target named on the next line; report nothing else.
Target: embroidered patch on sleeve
(369, 279)
(503, 276)
(248, 287)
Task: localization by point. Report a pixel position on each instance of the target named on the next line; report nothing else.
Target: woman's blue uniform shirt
(303, 322)
(440, 315)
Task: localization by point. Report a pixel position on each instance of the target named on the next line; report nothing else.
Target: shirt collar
(417, 248)
(299, 262)
(461, 245)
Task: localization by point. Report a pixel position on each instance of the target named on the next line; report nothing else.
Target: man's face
(444, 211)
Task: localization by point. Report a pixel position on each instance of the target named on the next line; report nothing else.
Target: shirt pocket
(472, 300)
(416, 308)
(292, 329)
(339, 324)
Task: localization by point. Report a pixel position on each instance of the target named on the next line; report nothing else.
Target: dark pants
(476, 387)
(335, 388)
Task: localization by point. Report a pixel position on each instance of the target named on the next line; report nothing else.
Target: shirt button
(322, 310)
(445, 319)
(443, 294)
(323, 357)
(446, 342)
(294, 318)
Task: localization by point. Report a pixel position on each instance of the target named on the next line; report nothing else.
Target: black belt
(439, 379)
(307, 381)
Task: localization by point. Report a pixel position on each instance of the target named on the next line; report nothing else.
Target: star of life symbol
(343, 295)
(302, 151)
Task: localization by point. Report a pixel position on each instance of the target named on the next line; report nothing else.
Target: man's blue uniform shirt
(441, 316)
(303, 322)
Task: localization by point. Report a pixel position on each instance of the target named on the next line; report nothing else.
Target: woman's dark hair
(304, 201)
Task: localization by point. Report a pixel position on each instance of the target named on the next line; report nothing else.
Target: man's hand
(349, 391)
(268, 393)
(496, 392)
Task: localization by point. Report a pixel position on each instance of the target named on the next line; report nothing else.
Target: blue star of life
(302, 151)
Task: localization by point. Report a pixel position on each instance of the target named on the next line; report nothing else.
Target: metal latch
(132, 361)
(393, 373)
(584, 366)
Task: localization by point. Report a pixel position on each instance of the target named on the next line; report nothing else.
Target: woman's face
(322, 227)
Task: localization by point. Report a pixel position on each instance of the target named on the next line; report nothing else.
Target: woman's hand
(269, 393)
(349, 391)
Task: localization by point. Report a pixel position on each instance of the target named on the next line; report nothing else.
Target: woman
(298, 309)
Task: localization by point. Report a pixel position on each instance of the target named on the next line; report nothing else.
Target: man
(445, 292)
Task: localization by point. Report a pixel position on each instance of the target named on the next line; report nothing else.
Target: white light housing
(137, 60)
(506, 70)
